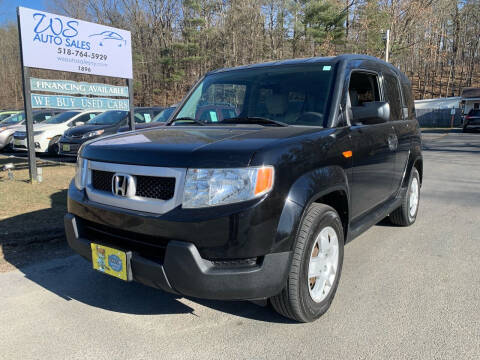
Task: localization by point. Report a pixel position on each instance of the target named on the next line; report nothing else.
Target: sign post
(55, 42)
(27, 102)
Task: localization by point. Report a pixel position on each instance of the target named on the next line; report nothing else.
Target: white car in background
(48, 133)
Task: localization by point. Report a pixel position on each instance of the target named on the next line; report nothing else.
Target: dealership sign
(73, 87)
(57, 42)
(73, 102)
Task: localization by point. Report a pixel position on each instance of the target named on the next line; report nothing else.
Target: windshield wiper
(198, 122)
(253, 120)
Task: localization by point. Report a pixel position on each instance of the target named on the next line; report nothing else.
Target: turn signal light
(347, 154)
(264, 180)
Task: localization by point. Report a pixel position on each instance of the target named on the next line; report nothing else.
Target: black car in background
(472, 120)
(110, 122)
(159, 120)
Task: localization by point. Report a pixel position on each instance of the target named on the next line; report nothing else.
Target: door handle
(392, 142)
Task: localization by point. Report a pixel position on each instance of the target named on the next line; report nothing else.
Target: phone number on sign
(81, 54)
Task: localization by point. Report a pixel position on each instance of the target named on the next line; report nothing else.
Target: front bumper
(70, 146)
(20, 144)
(182, 270)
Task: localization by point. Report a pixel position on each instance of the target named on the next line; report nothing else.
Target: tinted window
(4, 116)
(60, 118)
(363, 88)
(85, 117)
(142, 116)
(474, 113)
(42, 116)
(108, 118)
(393, 97)
(164, 115)
(14, 119)
(408, 100)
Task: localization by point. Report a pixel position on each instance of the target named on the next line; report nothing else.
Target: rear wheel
(316, 266)
(406, 214)
(9, 144)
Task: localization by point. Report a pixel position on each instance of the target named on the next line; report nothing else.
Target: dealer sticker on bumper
(111, 261)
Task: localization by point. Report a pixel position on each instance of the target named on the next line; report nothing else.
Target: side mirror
(79, 123)
(370, 113)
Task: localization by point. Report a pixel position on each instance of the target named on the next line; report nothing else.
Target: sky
(8, 8)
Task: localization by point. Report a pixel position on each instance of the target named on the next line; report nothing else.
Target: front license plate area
(66, 147)
(111, 261)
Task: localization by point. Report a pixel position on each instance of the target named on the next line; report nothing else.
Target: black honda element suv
(255, 197)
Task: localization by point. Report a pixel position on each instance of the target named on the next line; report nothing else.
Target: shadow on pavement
(57, 269)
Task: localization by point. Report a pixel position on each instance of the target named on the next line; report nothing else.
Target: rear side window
(408, 102)
(393, 97)
(474, 112)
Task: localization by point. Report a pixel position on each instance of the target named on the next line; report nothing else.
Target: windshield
(4, 116)
(14, 119)
(163, 115)
(108, 118)
(60, 118)
(294, 95)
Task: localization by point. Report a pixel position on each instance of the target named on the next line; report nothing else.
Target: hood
(191, 146)
(13, 126)
(142, 126)
(46, 127)
(78, 131)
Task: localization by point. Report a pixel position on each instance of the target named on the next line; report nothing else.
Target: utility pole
(387, 45)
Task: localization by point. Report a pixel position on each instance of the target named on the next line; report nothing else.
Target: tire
(53, 146)
(9, 147)
(404, 216)
(301, 300)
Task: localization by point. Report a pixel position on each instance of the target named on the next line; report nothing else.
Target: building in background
(470, 99)
(439, 112)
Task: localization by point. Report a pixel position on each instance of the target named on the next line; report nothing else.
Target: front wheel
(53, 146)
(316, 266)
(406, 214)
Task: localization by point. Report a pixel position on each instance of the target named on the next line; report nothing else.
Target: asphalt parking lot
(405, 293)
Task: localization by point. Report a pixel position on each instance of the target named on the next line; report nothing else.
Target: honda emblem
(123, 185)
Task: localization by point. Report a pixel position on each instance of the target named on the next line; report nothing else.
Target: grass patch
(31, 214)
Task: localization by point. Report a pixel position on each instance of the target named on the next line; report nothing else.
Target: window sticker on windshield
(47, 117)
(147, 118)
(92, 116)
(327, 67)
(213, 116)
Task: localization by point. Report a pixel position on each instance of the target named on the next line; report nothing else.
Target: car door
(373, 145)
(401, 118)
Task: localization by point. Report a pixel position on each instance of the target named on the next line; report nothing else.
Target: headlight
(92, 134)
(2, 128)
(80, 173)
(212, 187)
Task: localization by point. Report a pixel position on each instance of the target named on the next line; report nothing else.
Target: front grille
(146, 245)
(153, 187)
(20, 146)
(161, 188)
(102, 180)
